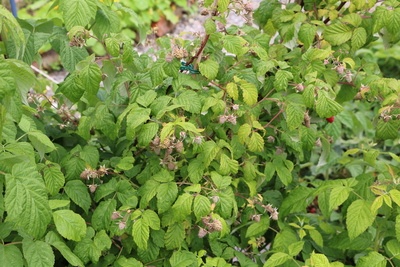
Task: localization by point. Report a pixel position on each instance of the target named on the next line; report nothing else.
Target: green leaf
(221, 182)
(232, 90)
(393, 247)
(307, 34)
(183, 259)
(316, 237)
(72, 88)
(249, 91)
(296, 201)
(101, 218)
(174, 236)
(392, 20)
(56, 204)
(69, 224)
(195, 170)
(26, 199)
(359, 218)
(41, 142)
(277, 259)
(182, 206)
(327, 107)
(338, 195)
(282, 78)
(337, 34)
(190, 101)
(166, 196)
(56, 241)
(10, 255)
(209, 68)
(130, 262)
(387, 130)
(319, 260)
(78, 192)
(78, 12)
(107, 21)
(284, 173)
(258, 228)
(395, 196)
(359, 38)
(256, 142)
(209, 26)
(147, 132)
(244, 132)
(234, 44)
(295, 248)
(53, 178)
(397, 227)
(295, 115)
(11, 32)
(90, 75)
(373, 259)
(148, 191)
(38, 253)
(201, 206)
(70, 56)
(223, 5)
(141, 233)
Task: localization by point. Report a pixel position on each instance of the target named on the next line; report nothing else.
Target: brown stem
(276, 116)
(337, 9)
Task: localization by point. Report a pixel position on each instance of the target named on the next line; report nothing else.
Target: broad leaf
(69, 224)
(359, 218)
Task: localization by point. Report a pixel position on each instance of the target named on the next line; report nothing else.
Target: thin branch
(276, 116)
(44, 74)
(337, 9)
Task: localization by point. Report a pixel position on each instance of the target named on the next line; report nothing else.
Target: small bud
(202, 232)
(222, 119)
(216, 226)
(198, 140)
(235, 107)
(232, 119)
(171, 166)
(386, 118)
(215, 199)
(92, 188)
(182, 134)
(299, 88)
(318, 143)
(204, 12)
(115, 215)
(121, 225)
(326, 61)
(256, 217)
(179, 146)
(271, 139)
(340, 69)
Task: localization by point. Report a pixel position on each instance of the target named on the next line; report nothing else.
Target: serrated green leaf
(387, 130)
(319, 260)
(72, 88)
(69, 224)
(183, 259)
(201, 206)
(166, 196)
(148, 191)
(101, 218)
(316, 237)
(70, 56)
(234, 44)
(182, 207)
(151, 219)
(249, 92)
(195, 170)
(11, 33)
(294, 115)
(337, 34)
(359, 38)
(244, 132)
(174, 236)
(130, 262)
(38, 253)
(147, 132)
(373, 259)
(78, 192)
(90, 75)
(53, 178)
(395, 196)
(10, 255)
(258, 228)
(338, 195)
(392, 20)
(327, 107)
(53, 239)
(26, 201)
(209, 26)
(223, 5)
(190, 101)
(307, 34)
(107, 21)
(55, 203)
(295, 248)
(78, 12)
(277, 259)
(90, 155)
(282, 78)
(141, 233)
(359, 218)
(232, 90)
(209, 68)
(256, 142)
(221, 182)
(112, 46)
(283, 172)
(41, 142)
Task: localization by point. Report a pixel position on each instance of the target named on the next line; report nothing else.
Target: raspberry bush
(139, 160)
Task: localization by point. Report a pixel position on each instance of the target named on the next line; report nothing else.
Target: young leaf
(277, 259)
(166, 196)
(359, 38)
(78, 12)
(295, 115)
(359, 218)
(282, 78)
(256, 142)
(232, 90)
(319, 260)
(53, 178)
(209, 68)
(307, 34)
(258, 228)
(201, 206)
(338, 195)
(69, 224)
(234, 44)
(151, 219)
(327, 107)
(141, 233)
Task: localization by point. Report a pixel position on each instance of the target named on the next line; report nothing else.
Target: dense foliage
(283, 151)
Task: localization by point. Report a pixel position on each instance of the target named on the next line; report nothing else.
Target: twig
(337, 9)
(276, 115)
(44, 74)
